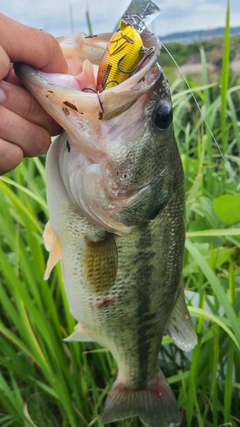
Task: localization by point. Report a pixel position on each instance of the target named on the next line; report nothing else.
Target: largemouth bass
(115, 191)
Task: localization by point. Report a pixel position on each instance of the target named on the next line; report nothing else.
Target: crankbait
(121, 58)
(125, 52)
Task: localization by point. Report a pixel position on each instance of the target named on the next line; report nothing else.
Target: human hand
(25, 128)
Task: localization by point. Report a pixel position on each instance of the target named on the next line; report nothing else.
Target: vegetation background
(46, 382)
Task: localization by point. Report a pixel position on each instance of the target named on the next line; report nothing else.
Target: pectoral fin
(52, 244)
(101, 263)
(180, 326)
(79, 334)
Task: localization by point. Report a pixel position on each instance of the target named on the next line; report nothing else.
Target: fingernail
(2, 95)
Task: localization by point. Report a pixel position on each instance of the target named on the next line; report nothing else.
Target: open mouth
(84, 69)
(78, 89)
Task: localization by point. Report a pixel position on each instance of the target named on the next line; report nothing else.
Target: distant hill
(191, 36)
(186, 52)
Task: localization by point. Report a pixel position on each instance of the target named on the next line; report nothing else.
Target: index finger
(35, 47)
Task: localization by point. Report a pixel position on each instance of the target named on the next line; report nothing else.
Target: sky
(54, 16)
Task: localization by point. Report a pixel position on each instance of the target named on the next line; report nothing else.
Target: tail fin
(155, 404)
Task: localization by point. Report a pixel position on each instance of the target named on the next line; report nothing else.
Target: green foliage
(180, 52)
(46, 382)
(190, 53)
(227, 208)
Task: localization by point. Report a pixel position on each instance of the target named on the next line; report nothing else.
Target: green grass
(46, 382)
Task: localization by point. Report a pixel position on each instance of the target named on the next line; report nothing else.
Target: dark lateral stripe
(145, 318)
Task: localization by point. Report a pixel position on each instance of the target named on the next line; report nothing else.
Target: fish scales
(115, 191)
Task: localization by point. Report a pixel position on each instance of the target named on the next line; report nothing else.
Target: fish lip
(27, 73)
(30, 75)
(35, 77)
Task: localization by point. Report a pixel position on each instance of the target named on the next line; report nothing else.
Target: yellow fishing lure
(121, 58)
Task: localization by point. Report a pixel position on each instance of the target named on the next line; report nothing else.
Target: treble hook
(147, 52)
(110, 81)
(99, 99)
(105, 83)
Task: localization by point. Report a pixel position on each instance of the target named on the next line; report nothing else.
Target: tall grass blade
(89, 25)
(225, 80)
(217, 288)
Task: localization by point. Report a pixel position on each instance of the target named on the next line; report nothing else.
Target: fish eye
(163, 116)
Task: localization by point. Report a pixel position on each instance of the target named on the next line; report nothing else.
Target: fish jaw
(79, 112)
(54, 92)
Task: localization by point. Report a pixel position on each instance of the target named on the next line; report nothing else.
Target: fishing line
(201, 113)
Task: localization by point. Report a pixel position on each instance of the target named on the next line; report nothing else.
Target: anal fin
(79, 334)
(180, 326)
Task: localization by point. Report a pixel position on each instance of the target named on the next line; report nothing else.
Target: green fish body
(115, 190)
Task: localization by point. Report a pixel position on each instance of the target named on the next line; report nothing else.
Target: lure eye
(163, 116)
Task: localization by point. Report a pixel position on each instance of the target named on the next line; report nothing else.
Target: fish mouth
(77, 92)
